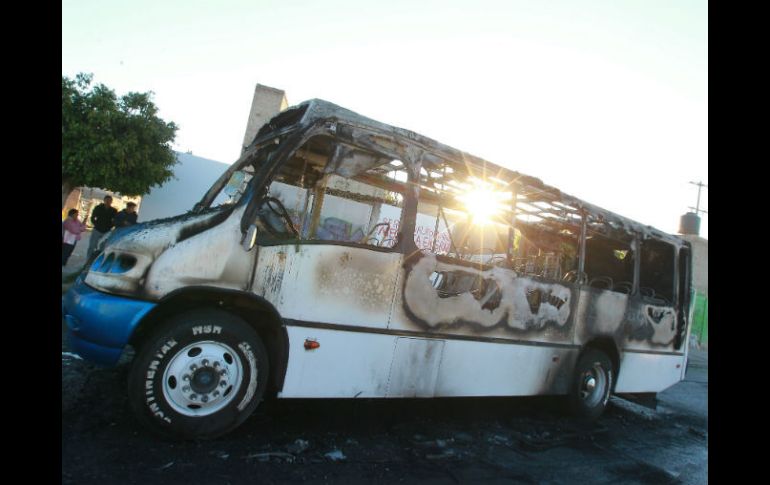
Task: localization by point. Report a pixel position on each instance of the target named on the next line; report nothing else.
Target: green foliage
(118, 144)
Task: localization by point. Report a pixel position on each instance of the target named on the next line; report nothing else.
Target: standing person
(71, 231)
(103, 219)
(126, 217)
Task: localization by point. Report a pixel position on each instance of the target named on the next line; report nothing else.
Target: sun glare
(483, 203)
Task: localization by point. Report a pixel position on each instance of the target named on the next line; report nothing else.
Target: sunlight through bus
(483, 203)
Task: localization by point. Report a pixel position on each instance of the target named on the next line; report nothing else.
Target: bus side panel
(346, 364)
(491, 369)
(600, 314)
(630, 322)
(362, 364)
(650, 327)
(641, 372)
(328, 283)
(415, 366)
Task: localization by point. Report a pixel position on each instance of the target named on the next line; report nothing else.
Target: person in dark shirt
(126, 217)
(103, 219)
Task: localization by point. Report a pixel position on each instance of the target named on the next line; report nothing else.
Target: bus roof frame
(362, 131)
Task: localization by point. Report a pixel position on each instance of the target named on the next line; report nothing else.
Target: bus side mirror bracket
(250, 238)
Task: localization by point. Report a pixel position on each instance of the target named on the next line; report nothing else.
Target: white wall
(193, 176)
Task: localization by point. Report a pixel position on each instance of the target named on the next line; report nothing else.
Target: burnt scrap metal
(552, 265)
(364, 144)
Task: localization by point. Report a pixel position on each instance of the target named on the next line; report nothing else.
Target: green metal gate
(700, 319)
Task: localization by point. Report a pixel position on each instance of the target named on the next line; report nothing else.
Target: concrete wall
(700, 283)
(700, 263)
(267, 102)
(73, 202)
(86, 198)
(193, 176)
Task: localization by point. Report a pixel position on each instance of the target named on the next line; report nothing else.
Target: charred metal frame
(435, 174)
(533, 200)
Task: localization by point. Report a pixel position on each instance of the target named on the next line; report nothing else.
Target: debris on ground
(335, 455)
(265, 456)
(499, 440)
(442, 456)
(464, 437)
(636, 409)
(299, 446)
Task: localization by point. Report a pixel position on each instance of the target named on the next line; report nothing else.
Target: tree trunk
(66, 190)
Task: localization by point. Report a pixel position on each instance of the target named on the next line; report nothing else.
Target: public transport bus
(343, 257)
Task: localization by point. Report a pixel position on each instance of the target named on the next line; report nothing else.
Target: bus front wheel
(199, 375)
(591, 385)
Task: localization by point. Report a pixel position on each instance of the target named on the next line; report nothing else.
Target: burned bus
(344, 257)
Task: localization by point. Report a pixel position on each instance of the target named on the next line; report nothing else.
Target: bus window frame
(673, 302)
(256, 201)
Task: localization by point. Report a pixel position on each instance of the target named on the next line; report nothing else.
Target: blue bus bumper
(99, 325)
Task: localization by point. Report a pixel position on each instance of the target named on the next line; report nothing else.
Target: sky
(605, 100)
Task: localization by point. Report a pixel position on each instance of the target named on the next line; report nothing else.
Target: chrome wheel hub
(590, 383)
(202, 378)
(593, 385)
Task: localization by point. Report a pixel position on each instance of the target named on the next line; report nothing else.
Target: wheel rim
(202, 378)
(593, 384)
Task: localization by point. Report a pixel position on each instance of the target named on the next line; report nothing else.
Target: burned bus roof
(317, 111)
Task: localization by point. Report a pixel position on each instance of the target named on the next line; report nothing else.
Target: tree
(118, 144)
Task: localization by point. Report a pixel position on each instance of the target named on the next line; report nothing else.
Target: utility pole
(697, 205)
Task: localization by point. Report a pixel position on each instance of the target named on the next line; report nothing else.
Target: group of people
(104, 217)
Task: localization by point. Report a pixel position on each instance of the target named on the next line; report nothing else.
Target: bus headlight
(114, 262)
(117, 272)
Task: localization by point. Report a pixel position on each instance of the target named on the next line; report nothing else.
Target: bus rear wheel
(591, 385)
(198, 376)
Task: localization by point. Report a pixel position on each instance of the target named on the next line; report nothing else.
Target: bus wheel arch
(256, 311)
(608, 346)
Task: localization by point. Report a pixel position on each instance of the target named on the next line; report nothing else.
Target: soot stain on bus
(520, 306)
(275, 270)
(558, 376)
(348, 275)
(628, 320)
(158, 266)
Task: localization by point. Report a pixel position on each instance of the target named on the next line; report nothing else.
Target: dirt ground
(491, 440)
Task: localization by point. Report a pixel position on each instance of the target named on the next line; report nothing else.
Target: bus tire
(591, 385)
(198, 376)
